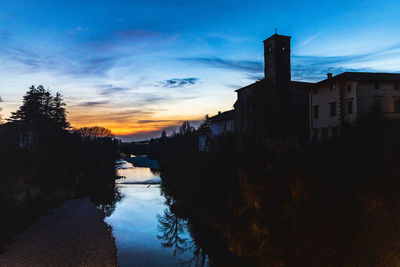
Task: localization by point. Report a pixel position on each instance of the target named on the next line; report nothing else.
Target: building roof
(259, 82)
(292, 85)
(363, 76)
(299, 85)
(223, 116)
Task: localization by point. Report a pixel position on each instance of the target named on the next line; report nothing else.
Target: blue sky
(138, 67)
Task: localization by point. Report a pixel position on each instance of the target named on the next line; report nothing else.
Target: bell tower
(277, 59)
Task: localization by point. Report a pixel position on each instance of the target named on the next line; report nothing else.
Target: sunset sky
(138, 67)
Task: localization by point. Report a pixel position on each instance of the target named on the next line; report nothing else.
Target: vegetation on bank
(267, 203)
(44, 161)
(184, 141)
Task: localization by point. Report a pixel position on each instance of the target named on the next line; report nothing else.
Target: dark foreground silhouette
(43, 162)
(258, 203)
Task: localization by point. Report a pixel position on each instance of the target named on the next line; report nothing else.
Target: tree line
(44, 160)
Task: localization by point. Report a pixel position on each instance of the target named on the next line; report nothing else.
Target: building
(274, 104)
(222, 123)
(340, 99)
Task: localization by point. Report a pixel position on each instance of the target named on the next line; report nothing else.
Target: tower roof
(277, 36)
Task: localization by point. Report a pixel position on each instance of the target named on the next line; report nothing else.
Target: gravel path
(73, 234)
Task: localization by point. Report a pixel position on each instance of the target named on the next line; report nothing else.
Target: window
(377, 104)
(377, 85)
(349, 88)
(283, 48)
(316, 113)
(332, 107)
(397, 106)
(349, 107)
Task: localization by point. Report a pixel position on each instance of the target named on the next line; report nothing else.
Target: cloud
(97, 65)
(178, 82)
(308, 40)
(124, 117)
(151, 121)
(241, 65)
(93, 103)
(76, 64)
(30, 58)
(151, 98)
(145, 135)
(109, 89)
(314, 68)
(255, 77)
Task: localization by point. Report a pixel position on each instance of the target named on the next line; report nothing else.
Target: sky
(138, 67)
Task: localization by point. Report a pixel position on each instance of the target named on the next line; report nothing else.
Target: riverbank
(71, 234)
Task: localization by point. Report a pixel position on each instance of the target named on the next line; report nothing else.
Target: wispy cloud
(151, 121)
(96, 65)
(241, 65)
(178, 82)
(30, 59)
(308, 40)
(93, 103)
(109, 89)
(172, 125)
(314, 68)
(128, 116)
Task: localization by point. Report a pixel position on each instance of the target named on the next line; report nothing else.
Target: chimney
(329, 75)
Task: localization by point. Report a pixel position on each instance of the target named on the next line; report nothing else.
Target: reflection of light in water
(136, 174)
(136, 221)
(135, 227)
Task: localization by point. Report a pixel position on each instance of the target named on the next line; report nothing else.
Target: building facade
(222, 123)
(342, 98)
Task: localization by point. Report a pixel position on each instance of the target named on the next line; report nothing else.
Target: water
(136, 221)
(137, 175)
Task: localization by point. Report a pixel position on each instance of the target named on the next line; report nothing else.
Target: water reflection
(145, 231)
(137, 175)
(173, 231)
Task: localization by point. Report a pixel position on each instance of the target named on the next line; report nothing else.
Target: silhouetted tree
(186, 128)
(164, 134)
(205, 125)
(41, 109)
(94, 132)
(59, 113)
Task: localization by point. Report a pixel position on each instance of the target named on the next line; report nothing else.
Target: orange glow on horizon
(126, 125)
